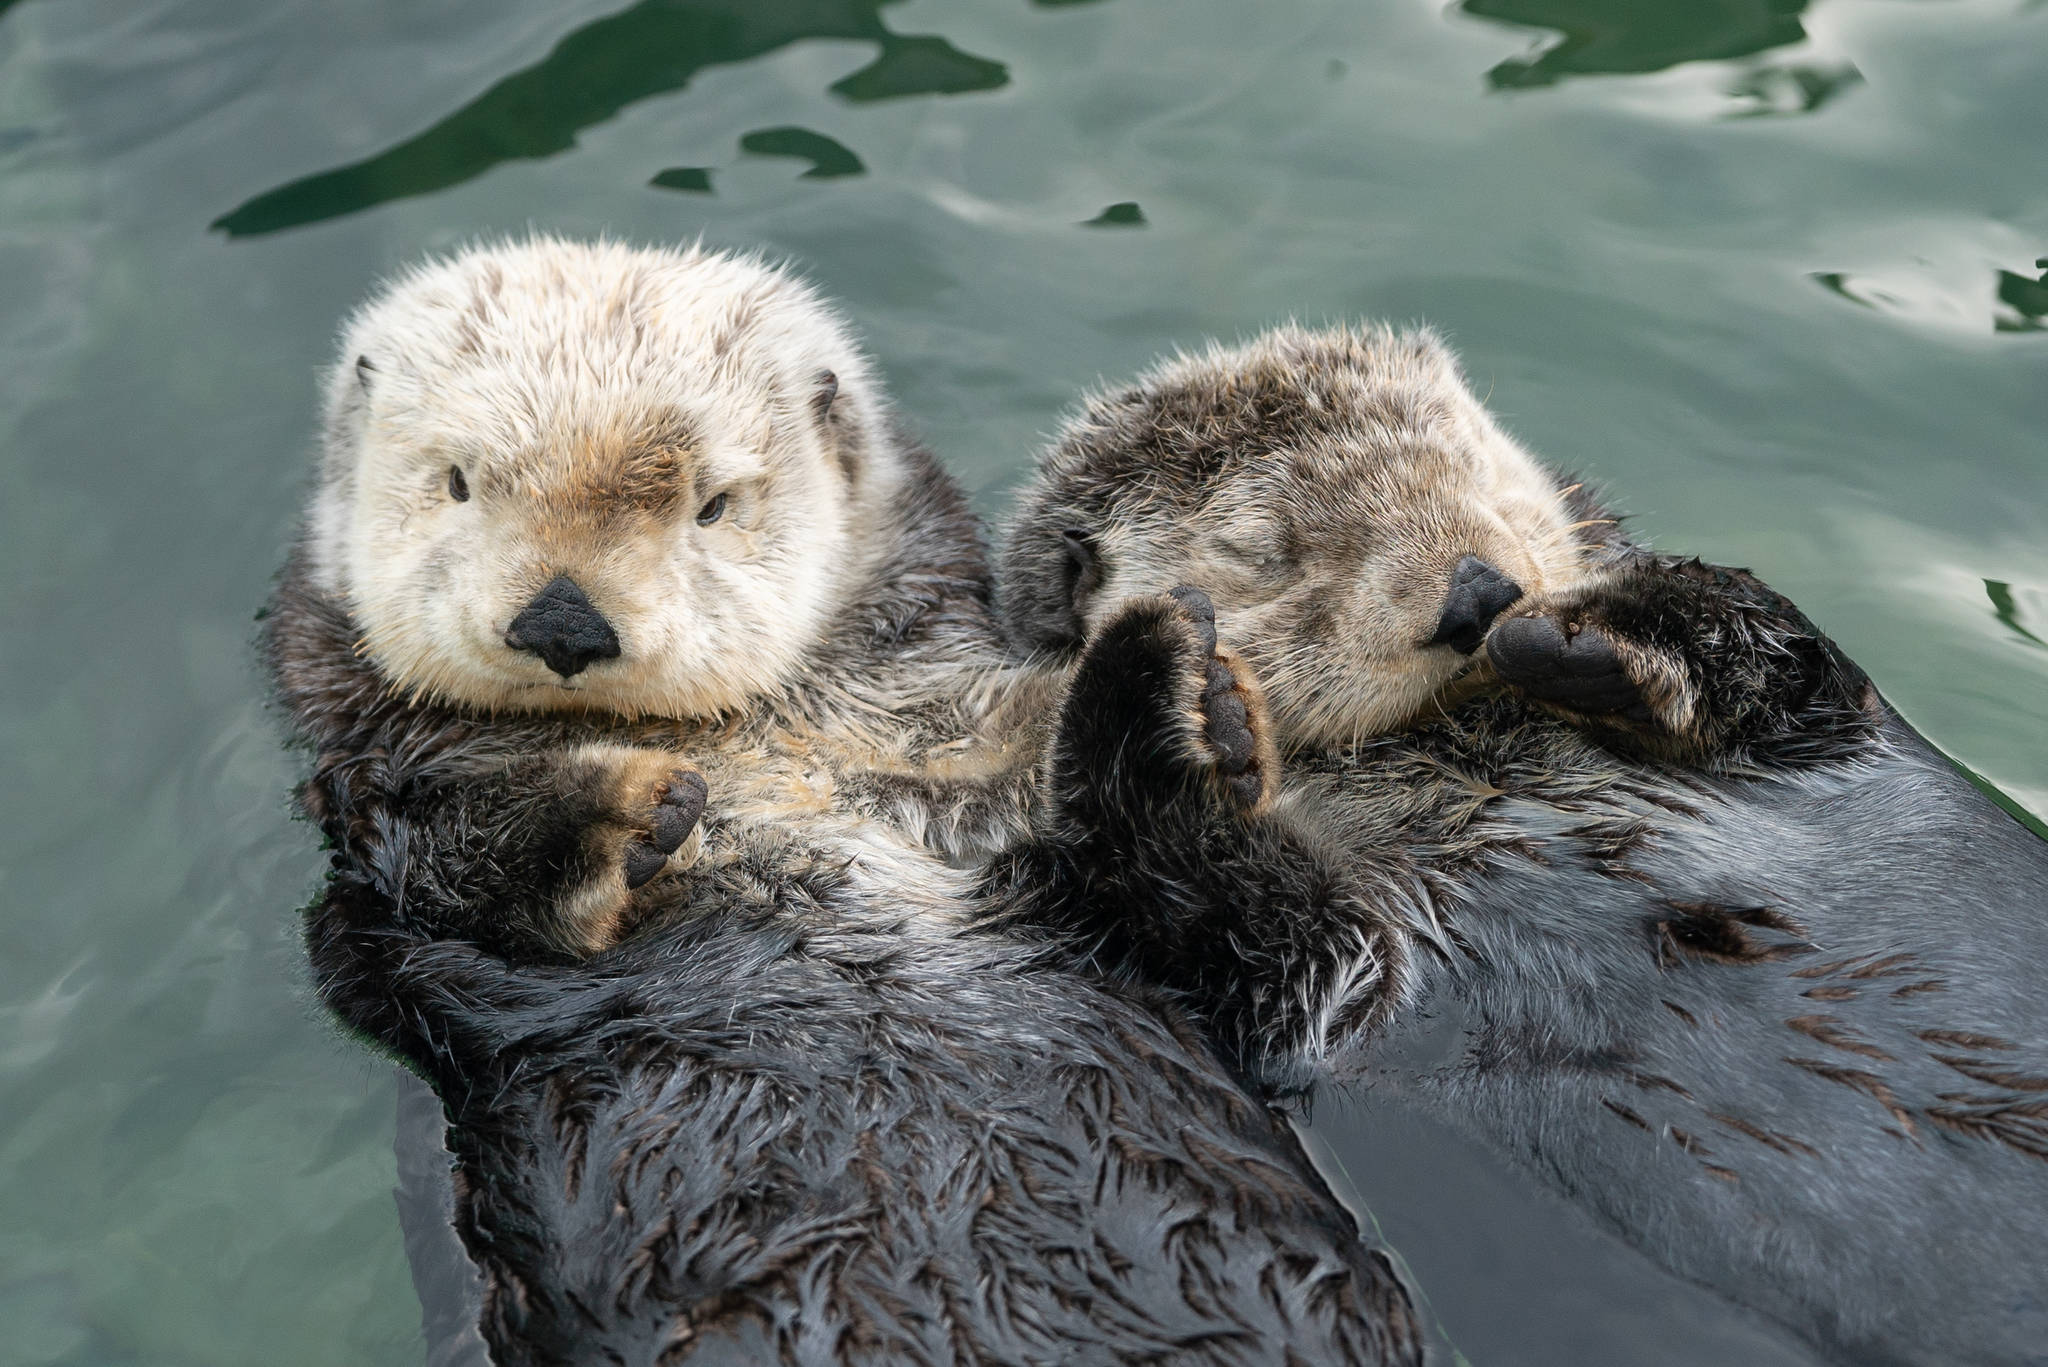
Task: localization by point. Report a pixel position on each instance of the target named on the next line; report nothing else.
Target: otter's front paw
(662, 822)
(1705, 663)
(676, 805)
(1159, 716)
(1567, 663)
(1232, 727)
(1600, 655)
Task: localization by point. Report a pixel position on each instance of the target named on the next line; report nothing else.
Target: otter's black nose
(1479, 593)
(561, 627)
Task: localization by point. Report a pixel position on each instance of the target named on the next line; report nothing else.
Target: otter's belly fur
(1785, 1034)
(899, 1148)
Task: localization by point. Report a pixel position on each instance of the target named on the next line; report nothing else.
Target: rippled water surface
(1773, 272)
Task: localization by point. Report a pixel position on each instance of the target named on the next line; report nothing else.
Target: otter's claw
(1229, 723)
(678, 806)
(1233, 716)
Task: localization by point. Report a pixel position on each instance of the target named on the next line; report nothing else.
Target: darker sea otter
(1692, 923)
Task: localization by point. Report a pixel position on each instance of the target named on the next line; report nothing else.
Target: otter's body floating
(1736, 960)
(651, 682)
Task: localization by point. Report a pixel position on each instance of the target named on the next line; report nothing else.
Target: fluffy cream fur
(597, 398)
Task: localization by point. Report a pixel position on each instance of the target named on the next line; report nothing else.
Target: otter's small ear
(1081, 575)
(364, 370)
(845, 437)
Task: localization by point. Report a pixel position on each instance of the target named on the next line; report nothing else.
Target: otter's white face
(588, 477)
(1352, 510)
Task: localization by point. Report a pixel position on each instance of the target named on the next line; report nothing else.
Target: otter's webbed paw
(677, 806)
(633, 808)
(1160, 713)
(1569, 662)
(1233, 722)
(1700, 661)
(1166, 861)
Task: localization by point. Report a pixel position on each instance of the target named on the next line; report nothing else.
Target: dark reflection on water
(2008, 610)
(1619, 37)
(2028, 300)
(2018, 304)
(651, 49)
(827, 157)
(1124, 214)
(921, 66)
(1798, 88)
(691, 178)
(1837, 283)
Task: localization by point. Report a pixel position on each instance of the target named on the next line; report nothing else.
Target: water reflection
(653, 48)
(1621, 37)
(921, 66)
(1837, 283)
(2028, 300)
(1796, 88)
(696, 179)
(827, 157)
(2007, 608)
(1123, 214)
(1934, 295)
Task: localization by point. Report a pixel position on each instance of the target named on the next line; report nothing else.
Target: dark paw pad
(678, 805)
(1227, 722)
(1228, 725)
(1579, 669)
(643, 861)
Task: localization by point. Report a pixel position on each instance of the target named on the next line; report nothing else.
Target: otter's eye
(711, 511)
(1254, 554)
(458, 487)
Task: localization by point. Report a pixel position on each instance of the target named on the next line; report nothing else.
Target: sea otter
(613, 499)
(651, 680)
(1697, 927)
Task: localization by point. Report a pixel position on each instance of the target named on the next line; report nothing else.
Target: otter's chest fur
(901, 787)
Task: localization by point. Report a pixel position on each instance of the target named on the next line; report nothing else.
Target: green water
(1772, 272)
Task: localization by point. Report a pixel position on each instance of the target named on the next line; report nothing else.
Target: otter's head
(592, 477)
(1357, 517)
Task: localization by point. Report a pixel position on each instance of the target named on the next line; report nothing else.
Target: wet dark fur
(795, 1119)
(1764, 992)
(1782, 1029)
(1758, 684)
